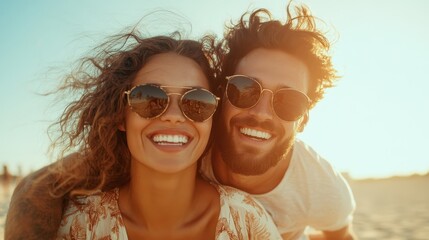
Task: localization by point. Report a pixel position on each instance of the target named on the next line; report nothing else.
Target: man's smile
(255, 133)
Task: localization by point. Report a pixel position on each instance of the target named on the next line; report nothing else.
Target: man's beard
(250, 162)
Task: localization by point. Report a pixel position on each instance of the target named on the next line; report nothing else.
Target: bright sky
(373, 124)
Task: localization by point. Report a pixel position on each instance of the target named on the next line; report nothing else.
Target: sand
(394, 208)
(391, 209)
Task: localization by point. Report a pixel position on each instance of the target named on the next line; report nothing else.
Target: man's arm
(33, 212)
(345, 233)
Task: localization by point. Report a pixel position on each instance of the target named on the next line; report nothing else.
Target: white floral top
(98, 217)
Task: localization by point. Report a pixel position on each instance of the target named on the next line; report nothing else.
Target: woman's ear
(302, 122)
(121, 127)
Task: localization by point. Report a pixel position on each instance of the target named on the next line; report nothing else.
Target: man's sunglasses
(151, 101)
(245, 92)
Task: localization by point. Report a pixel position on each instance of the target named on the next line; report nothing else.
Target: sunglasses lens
(290, 105)
(148, 101)
(198, 105)
(243, 92)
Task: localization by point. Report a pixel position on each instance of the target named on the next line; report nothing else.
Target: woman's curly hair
(87, 130)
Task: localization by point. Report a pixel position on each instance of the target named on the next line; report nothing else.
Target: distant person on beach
(6, 176)
(271, 75)
(141, 125)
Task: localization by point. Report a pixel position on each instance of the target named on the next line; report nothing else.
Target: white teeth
(255, 133)
(170, 139)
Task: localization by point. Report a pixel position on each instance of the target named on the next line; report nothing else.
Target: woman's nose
(173, 113)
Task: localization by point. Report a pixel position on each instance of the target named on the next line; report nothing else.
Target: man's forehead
(274, 69)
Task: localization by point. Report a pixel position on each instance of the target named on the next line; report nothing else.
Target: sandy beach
(392, 209)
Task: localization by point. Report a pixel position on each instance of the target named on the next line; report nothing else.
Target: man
(268, 69)
(271, 74)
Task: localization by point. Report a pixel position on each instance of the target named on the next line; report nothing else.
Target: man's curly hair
(298, 36)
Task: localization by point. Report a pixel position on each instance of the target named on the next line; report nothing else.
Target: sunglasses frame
(228, 78)
(163, 87)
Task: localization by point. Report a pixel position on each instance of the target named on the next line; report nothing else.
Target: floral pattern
(98, 217)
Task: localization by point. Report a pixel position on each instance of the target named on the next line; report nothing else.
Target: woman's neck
(156, 200)
(156, 205)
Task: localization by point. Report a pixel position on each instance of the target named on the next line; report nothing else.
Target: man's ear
(302, 122)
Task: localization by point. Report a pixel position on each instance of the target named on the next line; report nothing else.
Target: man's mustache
(254, 123)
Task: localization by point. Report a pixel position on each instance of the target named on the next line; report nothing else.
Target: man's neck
(256, 184)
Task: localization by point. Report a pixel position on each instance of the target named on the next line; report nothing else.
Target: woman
(141, 124)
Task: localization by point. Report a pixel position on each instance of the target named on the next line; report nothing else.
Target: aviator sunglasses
(245, 92)
(151, 101)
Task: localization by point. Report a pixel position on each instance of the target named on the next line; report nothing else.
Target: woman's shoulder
(93, 214)
(238, 198)
(95, 202)
(243, 216)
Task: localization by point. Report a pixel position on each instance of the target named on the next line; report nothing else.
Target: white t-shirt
(311, 193)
